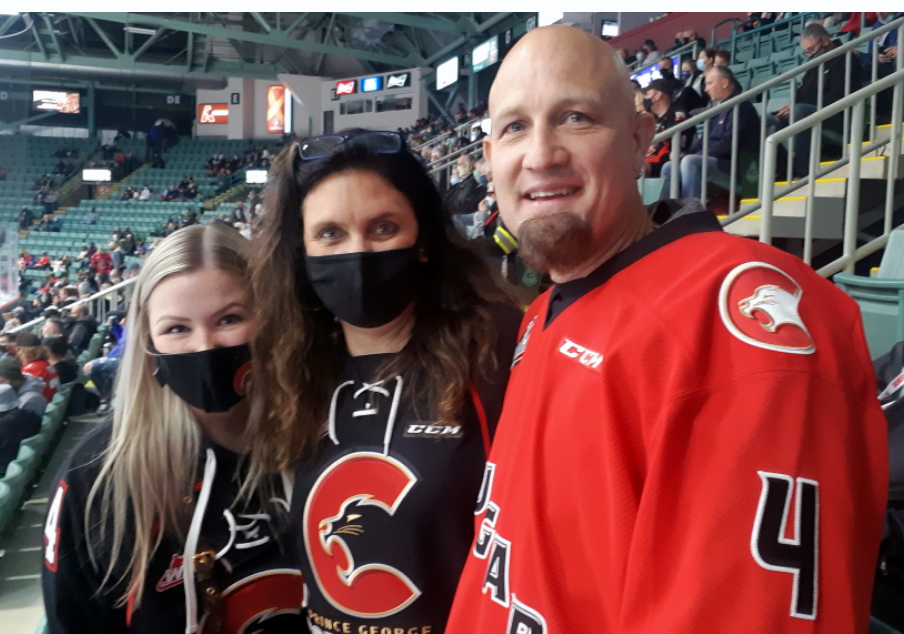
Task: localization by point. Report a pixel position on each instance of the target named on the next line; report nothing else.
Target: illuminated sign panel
(485, 55)
(276, 118)
(97, 175)
(371, 84)
(447, 73)
(213, 113)
(399, 80)
(346, 87)
(50, 101)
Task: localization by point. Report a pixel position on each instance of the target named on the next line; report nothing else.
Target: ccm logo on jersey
(422, 430)
(586, 357)
(760, 305)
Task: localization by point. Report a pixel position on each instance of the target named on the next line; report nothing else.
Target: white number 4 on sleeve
(52, 528)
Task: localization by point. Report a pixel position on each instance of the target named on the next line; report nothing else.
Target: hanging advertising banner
(276, 97)
(213, 113)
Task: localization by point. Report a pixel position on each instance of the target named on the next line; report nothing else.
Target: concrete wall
(307, 110)
(375, 120)
(310, 99)
(240, 115)
(248, 118)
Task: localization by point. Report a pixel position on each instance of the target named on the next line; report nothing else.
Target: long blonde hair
(152, 460)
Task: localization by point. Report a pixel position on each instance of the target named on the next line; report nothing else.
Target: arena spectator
(7, 344)
(145, 193)
(35, 361)
(127, 243)
(887, 52)
(83, 327)
(853, 23)
(117, 254)
(667, 74)
(352, 189)
(30, 389)
(15, 425)
(102, 262)
(465, 195)
(723, 58)
(720, 85)
(53, 328)
(192, 413)
(238, 213)
(658, 100)
(61, 360)
(651, 53)
(26, 217)
(816, 41)
(591, 418)
(92, 217)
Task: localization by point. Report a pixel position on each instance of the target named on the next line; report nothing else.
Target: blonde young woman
(147, 527)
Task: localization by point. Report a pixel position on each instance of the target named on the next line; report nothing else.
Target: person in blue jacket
(721, 86)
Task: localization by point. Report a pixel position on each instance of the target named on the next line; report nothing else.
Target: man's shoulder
(705, 264)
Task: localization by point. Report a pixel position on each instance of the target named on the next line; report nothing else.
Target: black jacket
(261, 587)
(887, 367)
(67, 370)
(720, 132)
(80, 333)
(15, 426)
(833, 81)
(464, 197)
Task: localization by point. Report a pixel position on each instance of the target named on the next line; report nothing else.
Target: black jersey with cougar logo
(383, 515)
(260, 584)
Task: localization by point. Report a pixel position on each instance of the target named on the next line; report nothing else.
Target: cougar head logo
(761, 305)
(777, 304)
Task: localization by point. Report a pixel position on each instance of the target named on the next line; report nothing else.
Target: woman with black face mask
(147, 530)
(384, 349)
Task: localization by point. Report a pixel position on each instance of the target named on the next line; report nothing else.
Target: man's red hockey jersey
(690, 443)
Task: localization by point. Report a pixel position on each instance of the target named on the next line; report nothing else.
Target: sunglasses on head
(319, 147)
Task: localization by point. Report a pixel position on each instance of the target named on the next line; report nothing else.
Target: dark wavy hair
(299, 349)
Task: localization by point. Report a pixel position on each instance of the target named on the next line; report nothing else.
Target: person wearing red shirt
(690, 439)
(35, 360)
(102, 262)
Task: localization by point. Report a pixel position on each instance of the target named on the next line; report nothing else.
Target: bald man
(673, 397)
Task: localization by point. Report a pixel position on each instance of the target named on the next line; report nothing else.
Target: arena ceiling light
(139, 30)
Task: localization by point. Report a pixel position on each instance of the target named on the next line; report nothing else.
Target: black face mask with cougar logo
(366, 289)
(212, 380)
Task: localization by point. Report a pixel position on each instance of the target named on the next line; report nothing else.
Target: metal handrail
(443, 137)
(851, 253)
(775, 81)
(96, 305)
(733, 103)
(455, 154)
(712, 39)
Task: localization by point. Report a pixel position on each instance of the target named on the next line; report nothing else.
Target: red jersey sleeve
(733, 527)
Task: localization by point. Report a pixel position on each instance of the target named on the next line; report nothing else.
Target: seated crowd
(707, 82)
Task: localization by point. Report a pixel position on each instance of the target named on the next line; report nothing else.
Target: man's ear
(488, 150)
(643, 133)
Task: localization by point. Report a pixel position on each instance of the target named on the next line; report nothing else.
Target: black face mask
(648, 105)
(213, 380)
(365, 289)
